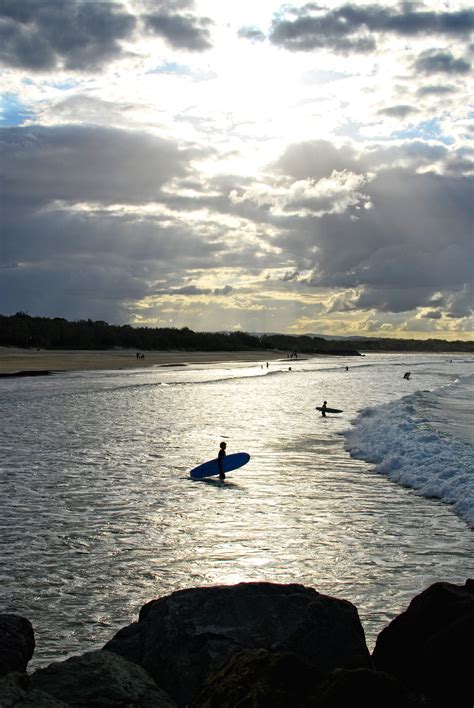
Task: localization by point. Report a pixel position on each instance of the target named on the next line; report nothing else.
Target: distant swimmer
(407, 375)
(220, 459)
(323, 409)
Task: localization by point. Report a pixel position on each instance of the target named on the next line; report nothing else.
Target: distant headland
(24, 331)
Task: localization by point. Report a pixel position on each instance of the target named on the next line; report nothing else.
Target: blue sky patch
(13, 111)
(427, 130)
(172, 68)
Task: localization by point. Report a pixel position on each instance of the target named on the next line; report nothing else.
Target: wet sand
(14, 359)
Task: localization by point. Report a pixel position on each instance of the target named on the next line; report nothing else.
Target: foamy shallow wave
(405, 444)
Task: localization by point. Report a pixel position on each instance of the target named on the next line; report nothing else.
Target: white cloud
(328, 195)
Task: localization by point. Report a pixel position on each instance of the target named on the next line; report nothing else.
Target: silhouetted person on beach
(220, 460)
(323, 409)
(407, 375)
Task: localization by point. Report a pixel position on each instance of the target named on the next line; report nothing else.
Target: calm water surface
(98, 514)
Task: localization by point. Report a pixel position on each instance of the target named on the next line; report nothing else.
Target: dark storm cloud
(75, 34)
(254, 34)
(433, 315)
(66, 251)
(89, 262)
(88, 163)
(436, 90)
(61, 263)
(186, 290)
(80, 35)
(436, 62)
(92, 264)
(131, 241)
(350, 28)
(318, 158)
(461, 162)
(192, 290)
(180, 31)
(290, 276)
(413, 243)
(401, 111)
(70, 290)
(226, 290)
(461, 303)
(393, 299)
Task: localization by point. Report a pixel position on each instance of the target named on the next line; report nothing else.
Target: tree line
(22, 330)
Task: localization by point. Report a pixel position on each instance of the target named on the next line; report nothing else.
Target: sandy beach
(14, 359)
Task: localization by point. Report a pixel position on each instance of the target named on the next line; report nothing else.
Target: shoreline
(23, 362)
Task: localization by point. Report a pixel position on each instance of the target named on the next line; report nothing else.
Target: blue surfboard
(211, 468)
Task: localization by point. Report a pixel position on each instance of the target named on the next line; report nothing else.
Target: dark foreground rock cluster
(257, 645)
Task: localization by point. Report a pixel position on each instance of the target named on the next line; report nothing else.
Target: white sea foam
(422, 441)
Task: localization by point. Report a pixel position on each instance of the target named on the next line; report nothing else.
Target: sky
(218, 165)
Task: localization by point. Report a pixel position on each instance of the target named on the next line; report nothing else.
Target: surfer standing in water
(323, 409)
(220, 460)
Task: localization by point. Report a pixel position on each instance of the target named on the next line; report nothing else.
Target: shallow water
(98, 513)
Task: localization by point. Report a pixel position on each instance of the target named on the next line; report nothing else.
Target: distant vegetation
(22, 330)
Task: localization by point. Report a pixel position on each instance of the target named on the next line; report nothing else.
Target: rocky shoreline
(257, 645)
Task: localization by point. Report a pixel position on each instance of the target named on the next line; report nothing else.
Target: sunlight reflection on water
(99, 514)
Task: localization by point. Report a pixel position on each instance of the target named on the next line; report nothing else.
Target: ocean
(98, 514)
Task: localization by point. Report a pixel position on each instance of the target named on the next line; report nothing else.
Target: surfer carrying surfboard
(325, 409)
(220, 459)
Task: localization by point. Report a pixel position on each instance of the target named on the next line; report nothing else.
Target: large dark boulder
(100, 679)
(12, 688)
(17, 643)
(429, 646)
(14, 693)
(363, 687)
(181, 637)
(257, 677)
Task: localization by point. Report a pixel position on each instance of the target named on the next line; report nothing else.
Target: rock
(25, 373)
(257, 677)
(191, 632)
(17, 643)
(39, 699)
(427, 646)
(100, 679)
(14, 694)
(12, 688)
(363, 687)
